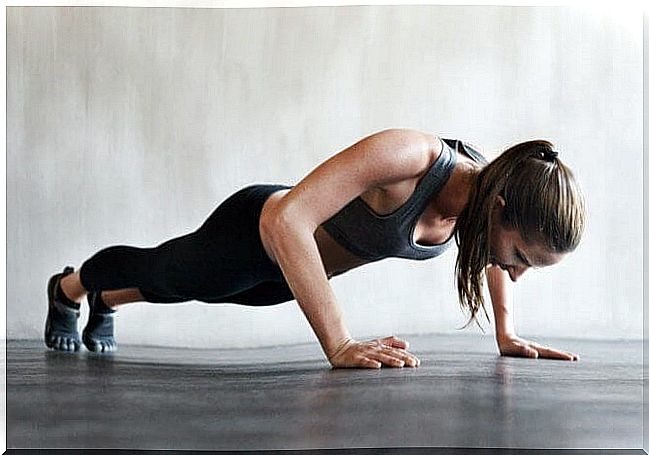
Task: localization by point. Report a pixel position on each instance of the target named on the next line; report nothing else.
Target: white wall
(129, 125)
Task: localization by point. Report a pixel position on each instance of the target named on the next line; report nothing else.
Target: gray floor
(463, 395)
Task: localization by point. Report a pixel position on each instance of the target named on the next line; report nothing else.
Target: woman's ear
(497, 209)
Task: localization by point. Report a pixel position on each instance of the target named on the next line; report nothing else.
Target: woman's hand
(388, 351)
(518, 347)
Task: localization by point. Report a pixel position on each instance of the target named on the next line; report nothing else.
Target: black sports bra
(372, 236)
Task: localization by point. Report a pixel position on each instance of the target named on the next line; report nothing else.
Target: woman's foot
(62, 314)
(98, 335)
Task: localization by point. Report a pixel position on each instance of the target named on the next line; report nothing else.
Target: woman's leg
(223, 258)
(113, 277)
(73, 289)
(119, 297)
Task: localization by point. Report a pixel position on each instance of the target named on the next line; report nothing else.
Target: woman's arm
(500, 292)
(381, 158)
(297, 255)
(509, 344)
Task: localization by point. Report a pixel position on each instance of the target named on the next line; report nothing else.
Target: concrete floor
(463, 395)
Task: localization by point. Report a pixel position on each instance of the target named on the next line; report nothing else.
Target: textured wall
(128, 126)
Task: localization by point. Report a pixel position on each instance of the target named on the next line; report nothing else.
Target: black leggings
(222, 262)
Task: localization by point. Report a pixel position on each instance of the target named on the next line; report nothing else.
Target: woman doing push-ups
(396, 193)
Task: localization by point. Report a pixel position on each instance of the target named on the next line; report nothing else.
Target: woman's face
(510, 253)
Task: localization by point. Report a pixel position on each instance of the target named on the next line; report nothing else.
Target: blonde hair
(543, 202)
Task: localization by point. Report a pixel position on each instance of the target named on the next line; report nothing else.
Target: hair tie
(548, 154)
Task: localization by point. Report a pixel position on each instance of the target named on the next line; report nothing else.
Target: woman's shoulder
(433, 142)
(428, 148)
(423, 149)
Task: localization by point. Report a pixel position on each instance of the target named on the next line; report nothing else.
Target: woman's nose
(517, 272)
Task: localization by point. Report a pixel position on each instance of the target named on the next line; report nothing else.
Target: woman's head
(509, 251)
(525, 210)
